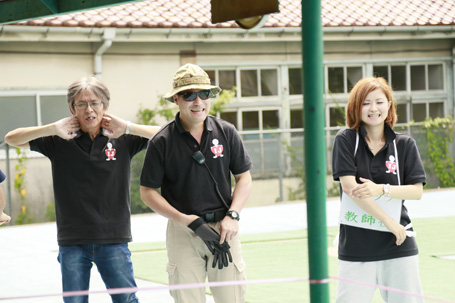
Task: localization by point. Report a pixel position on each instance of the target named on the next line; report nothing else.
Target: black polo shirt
(91, 186)
(184, 183)
(358, 244)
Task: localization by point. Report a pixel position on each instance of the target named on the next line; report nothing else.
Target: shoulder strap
(395, 149)
(396, 159)
(356, 142)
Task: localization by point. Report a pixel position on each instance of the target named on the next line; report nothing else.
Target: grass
(285, 255)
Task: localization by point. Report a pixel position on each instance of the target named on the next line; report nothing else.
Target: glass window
(227, 79)
(436, 110)
(296, 118)
(250, 120)
(17, 111)
(295, 81)
(337, 116)
(230, 117)
(53, 108)
(354, 75)
(336, 80)
(249, 82)
(398, 78)
(435, 77)
(381, 71)
(419, 112)
(270, 119)
(211, 74)
(402, 113)
(269, 82)
(418, 77)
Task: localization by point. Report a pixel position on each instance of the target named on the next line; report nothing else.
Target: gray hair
(90, 84)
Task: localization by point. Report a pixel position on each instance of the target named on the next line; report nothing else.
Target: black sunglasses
(191, 96)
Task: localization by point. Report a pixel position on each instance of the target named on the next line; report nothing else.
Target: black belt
(214, 216)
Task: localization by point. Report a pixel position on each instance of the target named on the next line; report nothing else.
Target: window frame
(345, 67)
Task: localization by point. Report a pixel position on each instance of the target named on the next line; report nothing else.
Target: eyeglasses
(84, 105)
(191, 96)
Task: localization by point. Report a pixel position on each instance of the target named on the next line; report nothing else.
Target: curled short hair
(92, 85)
(358, 95)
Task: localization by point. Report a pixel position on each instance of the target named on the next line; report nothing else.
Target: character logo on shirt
(391, 165)
(216, 149)
(110, 152)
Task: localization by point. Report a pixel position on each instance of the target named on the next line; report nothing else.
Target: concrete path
(28, 253)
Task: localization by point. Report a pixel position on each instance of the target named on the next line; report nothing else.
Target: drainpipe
(108, 35)
(453, 82)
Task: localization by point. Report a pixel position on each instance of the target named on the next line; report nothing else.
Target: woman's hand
(397, 229)
(367, 189)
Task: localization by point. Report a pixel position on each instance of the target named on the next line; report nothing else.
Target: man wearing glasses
(191, 159)
(90, 154)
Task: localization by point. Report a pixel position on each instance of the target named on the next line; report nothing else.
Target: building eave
(219, 35)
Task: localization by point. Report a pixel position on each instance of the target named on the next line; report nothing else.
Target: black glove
(211, 238)
(221, 255)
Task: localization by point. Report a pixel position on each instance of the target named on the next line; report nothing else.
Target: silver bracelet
(387, 190)
(127, 130)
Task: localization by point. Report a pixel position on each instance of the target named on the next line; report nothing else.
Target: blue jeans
(114, 265)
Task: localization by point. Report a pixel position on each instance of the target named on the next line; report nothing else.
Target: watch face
(233, 214)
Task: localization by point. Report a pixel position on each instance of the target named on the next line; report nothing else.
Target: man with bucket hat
(191, 159)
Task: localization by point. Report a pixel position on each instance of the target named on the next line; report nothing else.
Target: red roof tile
(196, 14)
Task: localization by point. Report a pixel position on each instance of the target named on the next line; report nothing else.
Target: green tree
(24, 216)
(438, 136)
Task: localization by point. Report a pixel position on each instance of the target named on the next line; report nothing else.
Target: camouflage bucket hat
(191, 76)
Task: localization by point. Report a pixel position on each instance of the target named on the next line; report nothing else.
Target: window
(250, 120)
(436, 110)
(336, 77)
(381, 71)
(354, 75)
(295, 81)
(230, 117)
(342, 79)
(223, 78)
(394, 74)
(435, 77)
(418, 77)
(263, 147)
(212, 76)
(424, 110)
(270, 119)
(53, 108)
(337, 116)
(257, 120)
(418, 112)
(402, 113)
(296, 118)
(398, 77)
(20, 110)
(227, 79)
(269, 82)
(426, 77)
(250, 82)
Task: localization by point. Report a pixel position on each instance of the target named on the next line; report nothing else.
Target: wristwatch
(233, 214)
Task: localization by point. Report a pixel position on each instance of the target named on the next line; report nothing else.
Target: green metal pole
(315, 150)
